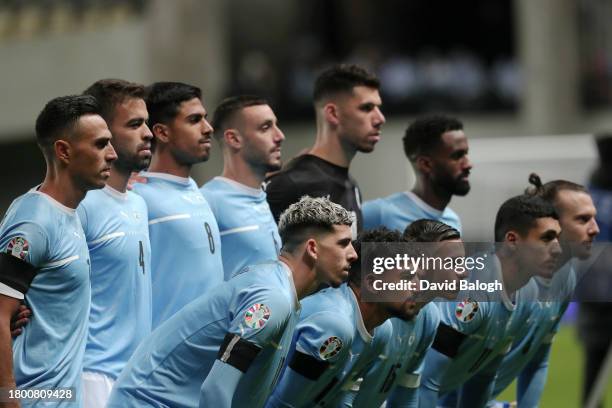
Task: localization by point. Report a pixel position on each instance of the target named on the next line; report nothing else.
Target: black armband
(16, 273)
(448, 340)
(237, 352)
(307, 365)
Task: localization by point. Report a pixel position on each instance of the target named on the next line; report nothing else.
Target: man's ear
(331, 114)
(232, 138)
(161, 132)
(367, 282)
(424, 164)
(62, 150)
(312, 249)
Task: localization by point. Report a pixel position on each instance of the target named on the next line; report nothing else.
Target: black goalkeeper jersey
(313, 176)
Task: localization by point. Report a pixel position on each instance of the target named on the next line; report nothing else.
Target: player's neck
(430, 196)
(62, 189)
(512, 276)
(165, 163)
(118, 179)
(242, 173)
(329, 148)
(372, 313)
(303, 275)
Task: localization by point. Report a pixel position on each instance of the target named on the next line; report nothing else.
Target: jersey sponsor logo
(466, 310)
(330, 347)
(18, 247)
(257, 316)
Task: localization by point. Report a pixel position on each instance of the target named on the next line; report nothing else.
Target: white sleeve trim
(10, 292)
(239, 229)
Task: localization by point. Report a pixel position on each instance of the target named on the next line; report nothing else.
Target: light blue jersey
(185, 243)
(528, 358)
(397, 371)
(117, 232)
(259, 304)
(473, 335)
(248, 232)
(398, 210)
(331, 330)
(48, 235)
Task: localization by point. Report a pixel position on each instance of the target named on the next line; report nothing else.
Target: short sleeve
(25, 248)
(26, 241)
(323, 336)
(465, 315)
(260, 316)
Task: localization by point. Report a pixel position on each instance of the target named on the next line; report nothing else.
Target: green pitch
(564, 383)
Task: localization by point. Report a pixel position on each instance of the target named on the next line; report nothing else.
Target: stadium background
(531, 80)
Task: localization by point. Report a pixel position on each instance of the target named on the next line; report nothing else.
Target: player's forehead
(543, 225)
(364, 94)
(191, 107)
(90, 127)
(131, 108)
(257, 113)
(453, 140)
(575, 202)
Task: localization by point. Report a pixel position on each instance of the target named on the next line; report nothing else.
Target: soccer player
(226, 348)
(437, 149)
(341, 334)
(397, 371)
(528, 358)
(44, 258)
(475, 331)
(248, 132)
(185, 243)
(117, 232)
(349, 120)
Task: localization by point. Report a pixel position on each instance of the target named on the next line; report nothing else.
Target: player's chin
(366, 147)
(462, 188)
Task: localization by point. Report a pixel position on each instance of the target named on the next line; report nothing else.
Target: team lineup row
(172, 295)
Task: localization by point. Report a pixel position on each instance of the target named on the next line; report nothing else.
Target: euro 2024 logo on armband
(466, 310)
(330, 347)
(18, 247)
(257, 316)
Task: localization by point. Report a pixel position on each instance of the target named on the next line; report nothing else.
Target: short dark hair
(424, 230)
(343, 78)
(519, 214)
(228, 108)
(380, 234)
(111, 92)
(164, 100)
(548, 191)
(60, 116)
(424, 134)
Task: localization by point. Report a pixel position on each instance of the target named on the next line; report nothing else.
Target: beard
(131, 162)
(454, 186)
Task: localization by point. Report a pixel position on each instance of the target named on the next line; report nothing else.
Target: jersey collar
(53, 201)
(363, 332)
(296, 301)
(255, 192)
(504, 296)
(423, 205)
(115, 193)
(166, 176)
